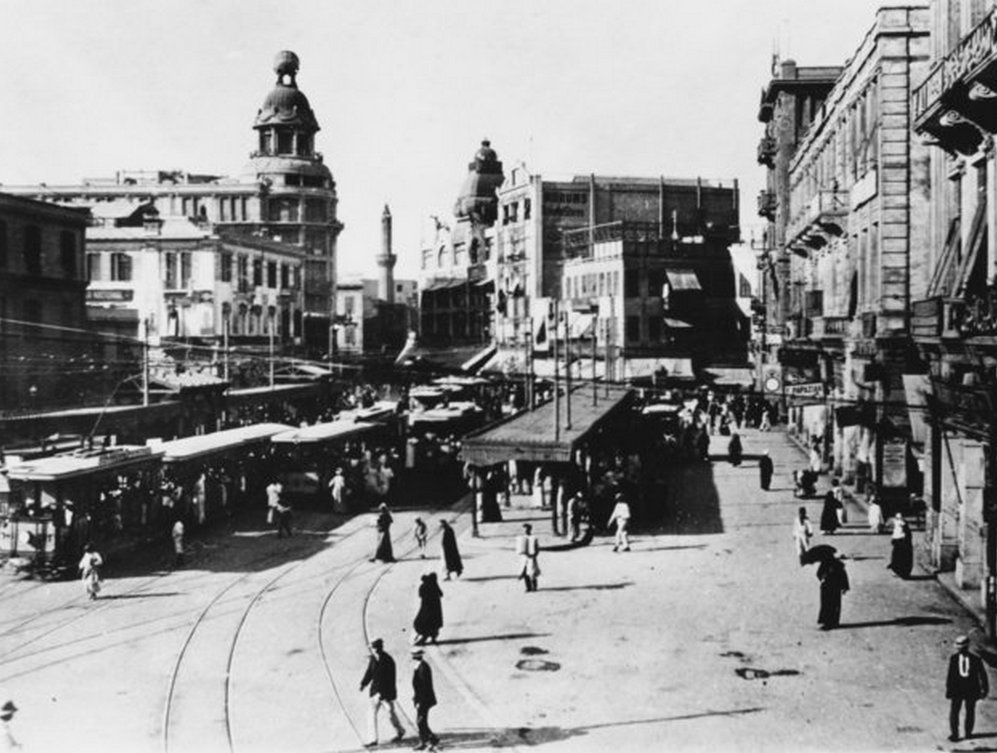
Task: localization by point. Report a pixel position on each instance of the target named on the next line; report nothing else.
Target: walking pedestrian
(380, 675)
(337, 488)
(429, 620)
(802, 533)
(89, 568)
(423, 698)
(283, 519)
(384, 552)
(178, 530)
(874, 513)
(621, 517)
(839, 499)
(833, 584)
(766, 422)
(735, 451)
(965, 684)
(765, 470)
(421, 536)
(528, 549)
(574, 514)
(275, 490)
(829, 514)
(451, 555)
(902, 554)
(7, 740)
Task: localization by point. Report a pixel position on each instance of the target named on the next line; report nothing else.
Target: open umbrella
(817, 554)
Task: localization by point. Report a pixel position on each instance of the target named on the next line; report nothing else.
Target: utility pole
(145, 361)
(595, 345)
(225, 327)
(567, 371)
(557, 392)
(271, 317)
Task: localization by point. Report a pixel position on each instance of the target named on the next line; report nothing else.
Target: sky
(405, 91)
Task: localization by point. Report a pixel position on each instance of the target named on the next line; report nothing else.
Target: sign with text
(805, 393)
(894, 464)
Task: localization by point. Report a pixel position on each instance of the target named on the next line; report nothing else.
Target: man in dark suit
(966, 684)
(424, 698)
(380, 675)
(765, 470)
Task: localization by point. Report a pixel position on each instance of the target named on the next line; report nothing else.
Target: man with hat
(380, 675)
(423, 698)
(966, 684)
(7, 741)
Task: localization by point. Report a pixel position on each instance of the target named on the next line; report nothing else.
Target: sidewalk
(968, 599)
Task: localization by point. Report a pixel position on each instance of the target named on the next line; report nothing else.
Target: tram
(212, 474)
(308, 457)
(54, 505)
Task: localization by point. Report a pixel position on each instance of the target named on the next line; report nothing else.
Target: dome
(286, 104)
(477, 199)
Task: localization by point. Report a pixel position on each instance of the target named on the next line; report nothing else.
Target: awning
(644, 368)
(683, 279)
(580, 324)
(741, 376)
(443, 285)
(676, 323)
(530, 435)
(479, 359)
(917, 388)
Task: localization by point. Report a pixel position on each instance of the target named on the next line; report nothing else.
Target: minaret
(386, 261)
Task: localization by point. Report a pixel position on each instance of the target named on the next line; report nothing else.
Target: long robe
(384, 551)
(765, 470)
(829, 515)
(833, 583)
(429, 620)
(734, 450)
(902, 556)
(451, 556)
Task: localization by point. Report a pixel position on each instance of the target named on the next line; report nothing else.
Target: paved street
(702, 637)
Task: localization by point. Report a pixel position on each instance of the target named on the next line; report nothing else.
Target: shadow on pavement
(897, 621)
(530, 736)
(482, 638)
(691, 504)
(112, 597)
(594, 587)
(484, 579)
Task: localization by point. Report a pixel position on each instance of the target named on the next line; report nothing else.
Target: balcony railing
(767, 204)
(974, 316)
(824, 213)
(766, 151)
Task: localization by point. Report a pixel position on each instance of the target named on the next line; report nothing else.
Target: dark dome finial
(286, 63)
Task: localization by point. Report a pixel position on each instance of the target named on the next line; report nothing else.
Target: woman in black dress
(833, 583)
(384, 551)
(451, 555)
(829, 514)
(902, 556)
(429, 620)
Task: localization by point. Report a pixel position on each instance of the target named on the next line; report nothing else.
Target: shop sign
(894, 464)
(978, 47)
(805, 393)
(117, 296)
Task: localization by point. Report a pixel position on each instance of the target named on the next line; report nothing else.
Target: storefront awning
(739, 376)
(683, 279)
(676, 323)
(644, 368)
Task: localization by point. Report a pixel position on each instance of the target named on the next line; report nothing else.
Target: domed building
(280, 213)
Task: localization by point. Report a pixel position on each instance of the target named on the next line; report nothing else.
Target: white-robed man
(621, 517)
(528, 549)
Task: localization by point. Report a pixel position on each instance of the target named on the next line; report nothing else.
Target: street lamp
(33, 394)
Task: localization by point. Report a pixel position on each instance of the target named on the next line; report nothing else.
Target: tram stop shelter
(597, 418)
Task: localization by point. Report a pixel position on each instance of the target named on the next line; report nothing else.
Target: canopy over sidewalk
(530, 435)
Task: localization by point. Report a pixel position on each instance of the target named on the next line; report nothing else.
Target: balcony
(766, 151)
(767, 204)
(830, 327)
(824, 217)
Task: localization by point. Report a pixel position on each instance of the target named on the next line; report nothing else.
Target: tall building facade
(45, 353)
(858, 207)
(456, 280)
(789, 103)
(639, 249)
(954, 310)
(285, 193)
